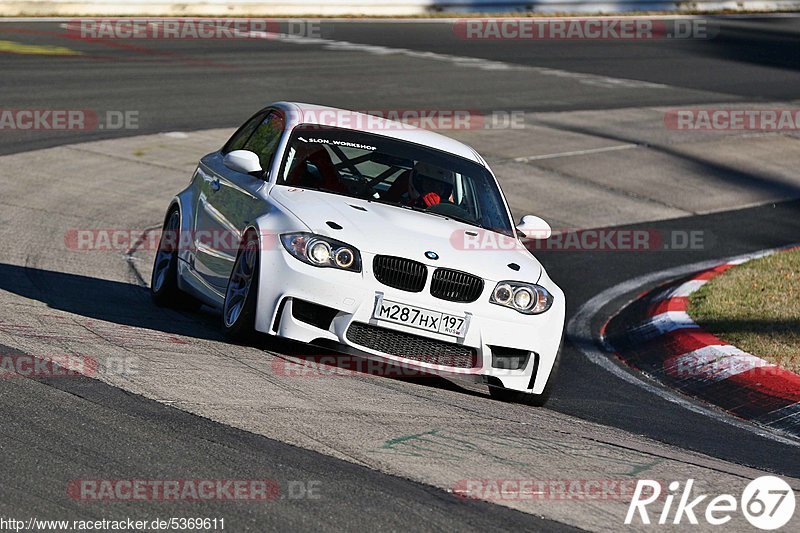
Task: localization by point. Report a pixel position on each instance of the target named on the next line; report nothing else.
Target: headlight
(319, 252)
(523, 298)
(502, 294)
(322, 251)
(527, 298)
(344, 257)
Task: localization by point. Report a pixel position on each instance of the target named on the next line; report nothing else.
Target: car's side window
(238, 139)
(265, 138)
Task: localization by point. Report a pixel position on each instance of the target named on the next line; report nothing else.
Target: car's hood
(384, 229)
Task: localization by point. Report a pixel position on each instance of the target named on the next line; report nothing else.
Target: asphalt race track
(375, 452)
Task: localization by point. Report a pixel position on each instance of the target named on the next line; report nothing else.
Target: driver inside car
(429, 185)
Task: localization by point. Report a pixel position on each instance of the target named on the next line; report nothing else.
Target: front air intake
(412, 347)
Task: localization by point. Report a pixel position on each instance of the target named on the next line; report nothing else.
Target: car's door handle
(215, 185)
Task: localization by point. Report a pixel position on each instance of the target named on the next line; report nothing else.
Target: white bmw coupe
(368, 236)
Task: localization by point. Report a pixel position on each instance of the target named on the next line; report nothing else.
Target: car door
(228, 200)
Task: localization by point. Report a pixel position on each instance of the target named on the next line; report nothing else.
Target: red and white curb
(667, 344)
(707, 356)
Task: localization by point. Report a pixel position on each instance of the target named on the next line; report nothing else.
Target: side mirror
(534, 227)
(243, 161)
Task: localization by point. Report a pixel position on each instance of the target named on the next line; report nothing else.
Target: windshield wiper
(473, 223)
(450, 217)
(470, 222)
(331, 191)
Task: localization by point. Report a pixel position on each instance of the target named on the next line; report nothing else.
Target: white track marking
(580, 333)
(575, 152)
(740, 260)
(594, 80)
(459, 61)
(176, 135)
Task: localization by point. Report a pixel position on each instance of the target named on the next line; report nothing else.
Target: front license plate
(419, 318)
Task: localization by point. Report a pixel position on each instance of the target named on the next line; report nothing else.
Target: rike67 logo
(767, 503)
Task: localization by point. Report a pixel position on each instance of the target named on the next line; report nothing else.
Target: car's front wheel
(525, 398)
(164, 281)
(241, 296)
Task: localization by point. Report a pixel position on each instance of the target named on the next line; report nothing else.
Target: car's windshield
(395, 172)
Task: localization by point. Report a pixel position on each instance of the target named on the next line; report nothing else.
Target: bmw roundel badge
(432, 255)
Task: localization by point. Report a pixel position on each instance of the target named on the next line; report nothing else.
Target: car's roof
(300, 113)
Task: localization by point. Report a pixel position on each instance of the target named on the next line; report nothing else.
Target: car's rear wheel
(241, 296)
(164, 281)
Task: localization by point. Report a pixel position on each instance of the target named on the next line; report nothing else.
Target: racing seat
(314, 168)
(398, 188)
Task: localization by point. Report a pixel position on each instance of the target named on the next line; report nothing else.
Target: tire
(241, 295)
(525, 398)
(164, 280)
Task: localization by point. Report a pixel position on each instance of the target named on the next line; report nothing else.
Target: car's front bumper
(285, 280)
